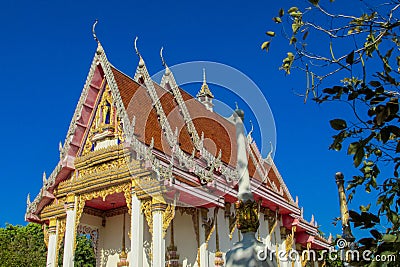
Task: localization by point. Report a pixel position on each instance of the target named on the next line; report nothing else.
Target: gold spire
(347, 234)
(205, 91)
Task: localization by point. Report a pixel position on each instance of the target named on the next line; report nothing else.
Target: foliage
(24, 246)
(359, 67)
(84, 254)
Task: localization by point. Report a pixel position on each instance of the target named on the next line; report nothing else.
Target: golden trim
(210, 234)
(70, 198)
(101, 155)
(304, 259)
(145, 208)
(53, 222)
(60, 234)
(53, 210)
(289, 241)
(104, 108)
(126, 188)
(46, 237)
(168, 216)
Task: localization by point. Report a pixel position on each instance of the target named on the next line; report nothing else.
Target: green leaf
(353, 147)
(296, 25)
(277, 19)
(394, 130)
(385, 134)
(350, 58)
(305, 35)
(329, 91)
(355, 216)
(287, 62)
(352, 96)
(398, 147)
(270, 33)
(338, 124)
(358, 157)
(389, 238)
(375, 83)
(375, 233)
(367, 241)
(293, 9)
(365, 208)
(281, 12)
(265, 45)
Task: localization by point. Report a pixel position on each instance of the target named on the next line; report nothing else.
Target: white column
(136, 259)
(203, 245)
(52, 246)
(68, 260)
(158, 239)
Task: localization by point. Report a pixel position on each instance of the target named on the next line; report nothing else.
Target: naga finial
(162, 57)
(44, 178)
(252, 128)
(271, 150)
(136, 49)
(330, 238)
(94, 31)
(28, 199)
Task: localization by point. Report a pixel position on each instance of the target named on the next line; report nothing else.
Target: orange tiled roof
(219, 133)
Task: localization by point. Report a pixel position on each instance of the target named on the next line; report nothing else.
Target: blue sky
(46, 50)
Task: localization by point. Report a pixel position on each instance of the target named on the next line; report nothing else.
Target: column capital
(158, 203)
(52, 225)
(70, 198)
(70, 201)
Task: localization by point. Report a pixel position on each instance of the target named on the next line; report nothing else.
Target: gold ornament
(104, 119)
(145, 208)
(126, 188)
(290, 240)
(60, 235)
(247, 216)
(168, 216)
(45, 234)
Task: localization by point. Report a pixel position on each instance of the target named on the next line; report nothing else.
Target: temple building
(148, 172)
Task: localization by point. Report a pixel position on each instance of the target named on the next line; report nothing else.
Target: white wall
(110, 237)
(185, 238)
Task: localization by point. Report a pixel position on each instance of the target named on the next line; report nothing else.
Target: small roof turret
(204, 91)
(204, 95)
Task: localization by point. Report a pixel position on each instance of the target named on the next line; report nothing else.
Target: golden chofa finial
(94, 31)
(167, 71)
(251, 129)
(135, 45)
(28, 199)
(162, 57)
(141, 61)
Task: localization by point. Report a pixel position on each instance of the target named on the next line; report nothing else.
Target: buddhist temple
(148, 172)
